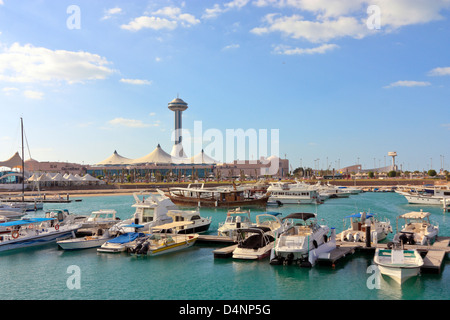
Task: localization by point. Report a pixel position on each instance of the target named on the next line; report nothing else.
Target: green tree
(371, 174)
(432, 172)
(392, 174)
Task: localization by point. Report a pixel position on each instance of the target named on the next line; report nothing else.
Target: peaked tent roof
(156, 156)
(202, 158)
(115, 159)
(13, 162)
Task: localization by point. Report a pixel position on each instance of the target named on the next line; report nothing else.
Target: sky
(324, 83)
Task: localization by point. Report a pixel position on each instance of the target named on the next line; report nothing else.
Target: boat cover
(358, 215)
(300, 215)
(127, 237)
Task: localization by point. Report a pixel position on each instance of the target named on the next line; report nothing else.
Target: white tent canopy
(156, 156)
(202, 158)
(13, 162)
(115, 159)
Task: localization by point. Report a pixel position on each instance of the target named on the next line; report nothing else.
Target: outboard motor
(144, 248)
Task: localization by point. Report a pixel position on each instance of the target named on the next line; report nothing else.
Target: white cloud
(216, 10)
(128, 123)
(345, 18)
(165, 18)
(298, 51)
(408, 83)
(9, 90)
(111, 12)
(440, 72)
(314, 31)
(231, 47)
(136, 81)
(35, 95)
(29, 64)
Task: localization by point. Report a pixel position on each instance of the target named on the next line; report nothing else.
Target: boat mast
(23, 164)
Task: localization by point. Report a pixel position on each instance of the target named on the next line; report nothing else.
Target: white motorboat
(356, 231)
(302, 234)
(163, 239)
(87, 242)
(397, 263)
(150, 212)
(293, 193)
(426, 195)
(122, 242)
(417, 228)
(236, 219)
(33, 232)
(330, 191)
(27, 206)
(64, 217)
(100, 219)
(254, 243)
(8, 209)
(198, 225)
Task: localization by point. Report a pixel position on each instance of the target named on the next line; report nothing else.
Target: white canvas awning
(114, 160)
(156, 156)
(13, 162)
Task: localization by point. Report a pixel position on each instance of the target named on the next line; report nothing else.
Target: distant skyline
(342, 81)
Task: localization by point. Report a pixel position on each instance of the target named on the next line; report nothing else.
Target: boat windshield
(233, 219)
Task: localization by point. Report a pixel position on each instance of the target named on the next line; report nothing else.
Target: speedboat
(122, 242)
(64, 217)
(198, 225)
(397, 263)
(236, 219)
(87, 242)
(149, 212)
(417, 229)
(163, 239)
(254, 243)
(33, 232)
(356, 231)
(302, 233)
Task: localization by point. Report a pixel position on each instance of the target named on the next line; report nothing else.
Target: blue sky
(338, 83)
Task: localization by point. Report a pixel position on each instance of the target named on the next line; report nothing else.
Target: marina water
(46, 272)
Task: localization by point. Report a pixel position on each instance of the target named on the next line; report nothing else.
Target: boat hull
(250, 254)
(196, 202)
(36, 240)
(283, 200)
(78, 244)
(399, 274)
(189, 242)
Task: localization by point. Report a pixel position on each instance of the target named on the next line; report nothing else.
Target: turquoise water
(44, 273)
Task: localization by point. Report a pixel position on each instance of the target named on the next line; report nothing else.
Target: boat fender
(57, 227)
(315, 244)
(390, 245)
(15, 234)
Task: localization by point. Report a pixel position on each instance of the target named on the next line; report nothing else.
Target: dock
(207, 238)
(226, 252)
(434, 254)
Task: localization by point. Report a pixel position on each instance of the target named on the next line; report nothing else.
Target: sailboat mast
(23, 164)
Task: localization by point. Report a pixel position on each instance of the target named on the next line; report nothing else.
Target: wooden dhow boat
(215, 197)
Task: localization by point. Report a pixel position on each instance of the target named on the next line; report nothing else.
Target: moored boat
(397, 263)
(87, 242)
(163, 239)
(356, 230)
(254, 243)
(236, 219)
(417, 228)
(34, 232)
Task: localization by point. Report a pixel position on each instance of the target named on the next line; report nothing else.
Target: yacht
(426, 195)
(199, 224)
(355, 231)
(236, 219)
(302, 234)
(417, 228)
(33, 232)
(397, 263)
(293, 193)
(163, 239)
(149, 212)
